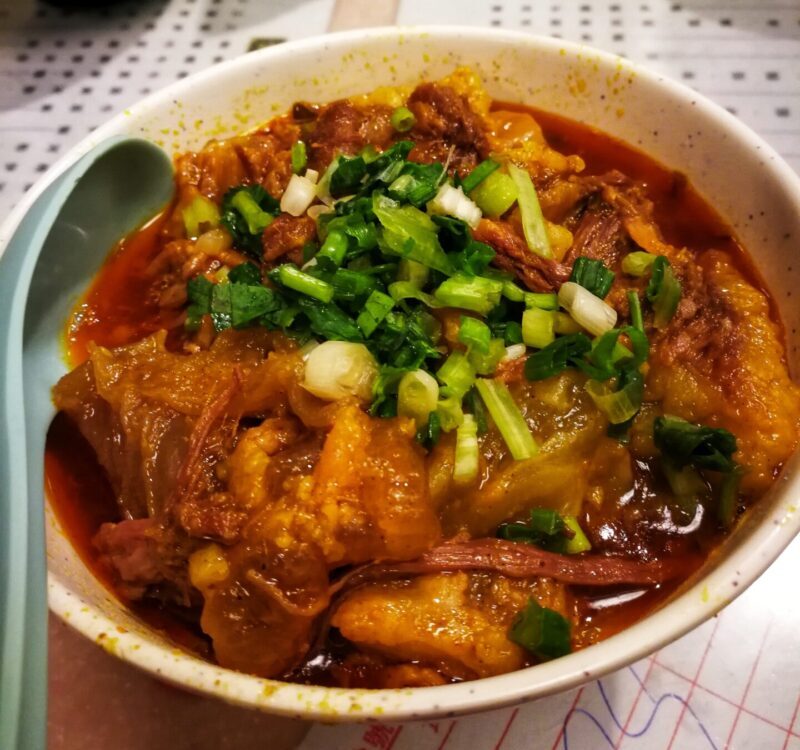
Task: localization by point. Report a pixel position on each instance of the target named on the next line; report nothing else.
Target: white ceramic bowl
(732, 167)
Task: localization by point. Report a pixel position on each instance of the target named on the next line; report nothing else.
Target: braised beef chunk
(145, 556)
(453, 485)
(343, 128)
(446, 127)
(286, 236)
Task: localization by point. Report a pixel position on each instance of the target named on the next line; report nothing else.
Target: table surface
(732, 683)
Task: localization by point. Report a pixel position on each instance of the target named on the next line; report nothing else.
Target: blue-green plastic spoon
(48, 262)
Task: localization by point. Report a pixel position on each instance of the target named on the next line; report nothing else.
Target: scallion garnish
(541, 631)
(635, 307)
(474, 334)
(293, 278)
(685, 443)
(475, 293)
(465, 468)
(507, 418)
(663, 291)
(376, 308)
(542, 301)
(199, 216)
(533, 223)
(457, 375)
(403, 119)
(592, 274)
(417, 396)
(495, 195)
(638, 263)
(537, 327)
(299, 157)
(478, 175)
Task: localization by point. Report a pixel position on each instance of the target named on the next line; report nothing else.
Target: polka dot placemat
(65, 70)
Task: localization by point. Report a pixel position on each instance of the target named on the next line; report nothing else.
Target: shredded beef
(537, 273)
(600, 235)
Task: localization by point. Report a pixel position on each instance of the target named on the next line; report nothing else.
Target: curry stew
(413, 388)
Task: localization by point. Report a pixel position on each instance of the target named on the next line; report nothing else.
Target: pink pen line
(693, 685)
(740, 706)
(505, 731)
(624, 730)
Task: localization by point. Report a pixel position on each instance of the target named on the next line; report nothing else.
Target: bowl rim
(733, 575)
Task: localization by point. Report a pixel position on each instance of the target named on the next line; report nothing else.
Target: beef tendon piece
(455, 622)
(260, 617)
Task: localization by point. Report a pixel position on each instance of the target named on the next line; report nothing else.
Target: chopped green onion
(508, 418)
(333, 250)
(533, 224)
(687, 486)
(348, 175)
(565, 324)
(428, 434)
(513, 293)
(635, 307)
(410, 233)
(592, 274)
(589, 311)
(257, 219)
(663, 291)
(475, 293)
(403, 119)
(537, 327)
(450, 413)
(638, 263)
(579, 542)
(686, 443)
(495, 195)
(199, 216)
(542, 301)
(416, 273)
(565, 351)
(417, 396)
(545, 521)
(474, 334)
(621, 405)
(541, 631)
(456, 374)
(465, 469)
(338, 369)
(478, 175)
(486, 364)
(400, 290)
(299, 157)
(608, 356)
(293, 278)
(451, 201)
(475, 407)
(375, 310)
(511, 331)
(351, 286)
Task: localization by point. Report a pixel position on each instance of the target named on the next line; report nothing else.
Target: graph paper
(732, 683)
